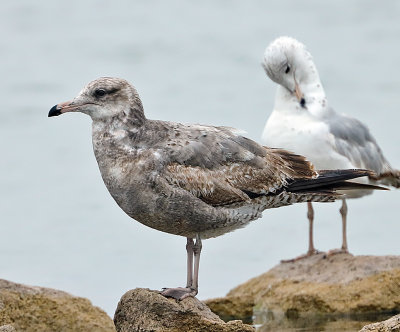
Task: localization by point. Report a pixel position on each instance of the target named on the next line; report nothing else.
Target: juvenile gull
(303, 122)
(191, 180)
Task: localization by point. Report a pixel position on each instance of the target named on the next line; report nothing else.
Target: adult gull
(196, 181)
(303, 122)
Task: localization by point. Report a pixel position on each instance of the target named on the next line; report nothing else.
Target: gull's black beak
(54, 111)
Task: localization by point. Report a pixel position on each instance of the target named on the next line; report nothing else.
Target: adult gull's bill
(191, 180)
(303, 122)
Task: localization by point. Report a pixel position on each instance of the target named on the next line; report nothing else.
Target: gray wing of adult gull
(353, 140)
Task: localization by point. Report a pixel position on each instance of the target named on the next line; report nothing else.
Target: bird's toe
(178, 293)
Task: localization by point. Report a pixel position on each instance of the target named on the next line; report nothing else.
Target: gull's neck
(130, 119)
(116, 133)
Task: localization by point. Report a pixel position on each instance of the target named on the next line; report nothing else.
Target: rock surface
(7, 328)
(145, 310)
(233, 307)
(32, 309)
(389, 325)
(338, 284)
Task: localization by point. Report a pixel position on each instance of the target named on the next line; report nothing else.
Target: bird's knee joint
(197, 248)
(189, 244)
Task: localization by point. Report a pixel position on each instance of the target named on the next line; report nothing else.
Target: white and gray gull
(196, 181)
(303, 122)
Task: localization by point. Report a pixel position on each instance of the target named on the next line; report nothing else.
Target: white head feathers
(288, 63)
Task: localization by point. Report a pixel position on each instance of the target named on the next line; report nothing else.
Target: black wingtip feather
(332, 180)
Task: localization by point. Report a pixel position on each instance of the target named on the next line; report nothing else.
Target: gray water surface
(269, 322)
(191, 62)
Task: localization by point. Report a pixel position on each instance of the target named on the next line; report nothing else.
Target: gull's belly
(303, 135)
(154, 203)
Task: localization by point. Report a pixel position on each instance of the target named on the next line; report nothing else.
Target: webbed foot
(308, 254)
(179, 293)
(338, 251)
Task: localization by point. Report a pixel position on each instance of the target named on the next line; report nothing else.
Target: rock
(144, 310)
(339, 284)
(7, 328)
(232, 307)
(32, 309)
(389, 325)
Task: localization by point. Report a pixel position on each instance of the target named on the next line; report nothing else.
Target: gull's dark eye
(100, 93)
(287, 70)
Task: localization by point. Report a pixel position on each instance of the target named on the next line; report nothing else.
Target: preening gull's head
(288, 63)
(104, 98)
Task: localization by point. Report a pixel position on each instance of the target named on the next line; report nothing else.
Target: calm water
(269, 322)
(191, 62)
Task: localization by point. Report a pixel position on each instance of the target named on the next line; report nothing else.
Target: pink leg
(310, 216)
(343, 212)
(189, 249)
(192, 281)
(311, 249)
(344, 249)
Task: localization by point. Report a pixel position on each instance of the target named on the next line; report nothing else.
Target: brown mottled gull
(303, 122)
(191, 180)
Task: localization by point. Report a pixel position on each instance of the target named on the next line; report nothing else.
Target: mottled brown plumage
(191, 180)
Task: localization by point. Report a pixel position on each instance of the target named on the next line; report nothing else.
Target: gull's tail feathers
(389, 178)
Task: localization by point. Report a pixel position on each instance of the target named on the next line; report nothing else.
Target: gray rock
(389, 325)
(144, 310)
(7, 328)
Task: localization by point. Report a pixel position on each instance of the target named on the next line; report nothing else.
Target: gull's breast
(302, 134)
